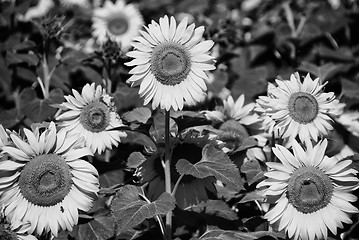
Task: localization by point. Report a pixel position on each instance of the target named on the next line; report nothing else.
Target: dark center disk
(95, 117)
(303, 107)
(309, 189)
(45, 180)
(117, 26)
(170, 63)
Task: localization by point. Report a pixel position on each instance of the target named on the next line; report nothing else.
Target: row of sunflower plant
(89, 165)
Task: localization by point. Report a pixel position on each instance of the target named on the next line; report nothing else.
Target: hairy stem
(167, 169)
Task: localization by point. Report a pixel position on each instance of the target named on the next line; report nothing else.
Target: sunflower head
(309, 188)
(298, 108)
(118, 21)
(44, 182)
(91, 115)
(170, 63)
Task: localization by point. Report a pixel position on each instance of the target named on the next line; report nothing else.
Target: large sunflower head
(295, 108)
(170, 63)
(311, 191)
(118, 21)
(45, 182)
(91, 115)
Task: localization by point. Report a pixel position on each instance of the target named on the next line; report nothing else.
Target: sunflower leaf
(130, 207)
(214, 163)
(135, 159)
(101, 227)
(38, 110)
(137, 115)
(216, 208)
(187, 119)
(214, 233)
(253, 171)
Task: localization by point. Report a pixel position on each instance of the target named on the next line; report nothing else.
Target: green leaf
(9, 118)
(25, 45)
(255, 195)
(100, 228)
(323, 72)
(340, 55)
(37, 109)
(127, 97)
(350, 89)
(129, 208)
(214, 233)
(216, 208)
(135, 159)
(214, 163)
(138, 115)
(5, 77)
(16, 58)
(187, 119)
(253, 171)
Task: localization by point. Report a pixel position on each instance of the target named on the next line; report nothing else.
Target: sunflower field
(179, 119)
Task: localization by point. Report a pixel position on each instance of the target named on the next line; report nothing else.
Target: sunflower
(120, 22)
(16, 230)
(294, 108)
(170, 64)
(234, 110)
(45, 183)
(91, 115)
(312, 191)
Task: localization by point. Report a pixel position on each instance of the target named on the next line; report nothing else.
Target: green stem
(167, 169)
(158, 218)
(46, 77)
(176, 185)
(107, 155)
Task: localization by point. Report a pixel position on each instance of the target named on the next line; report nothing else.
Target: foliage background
(256, 42)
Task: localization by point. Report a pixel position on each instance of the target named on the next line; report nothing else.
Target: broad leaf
(187, 119)
(255, 195)
(138, 115)
(135, 159)
(16, 58)
(214, 163)
(350, 89)
(253, 171)
(216, 208)
(100, 228)
(37, 109)
(323, 72)
(214, 233)
(129, 208)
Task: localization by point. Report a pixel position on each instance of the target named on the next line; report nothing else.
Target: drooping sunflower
(45, 183)
(295, 108)
(311, 191)
(118, 21)
(170, 63)
(91, 115)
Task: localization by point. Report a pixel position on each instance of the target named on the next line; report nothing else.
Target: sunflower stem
(46, 77)
(176, 185)
(167, 169)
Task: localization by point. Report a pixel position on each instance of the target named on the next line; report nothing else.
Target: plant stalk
(167, 169)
